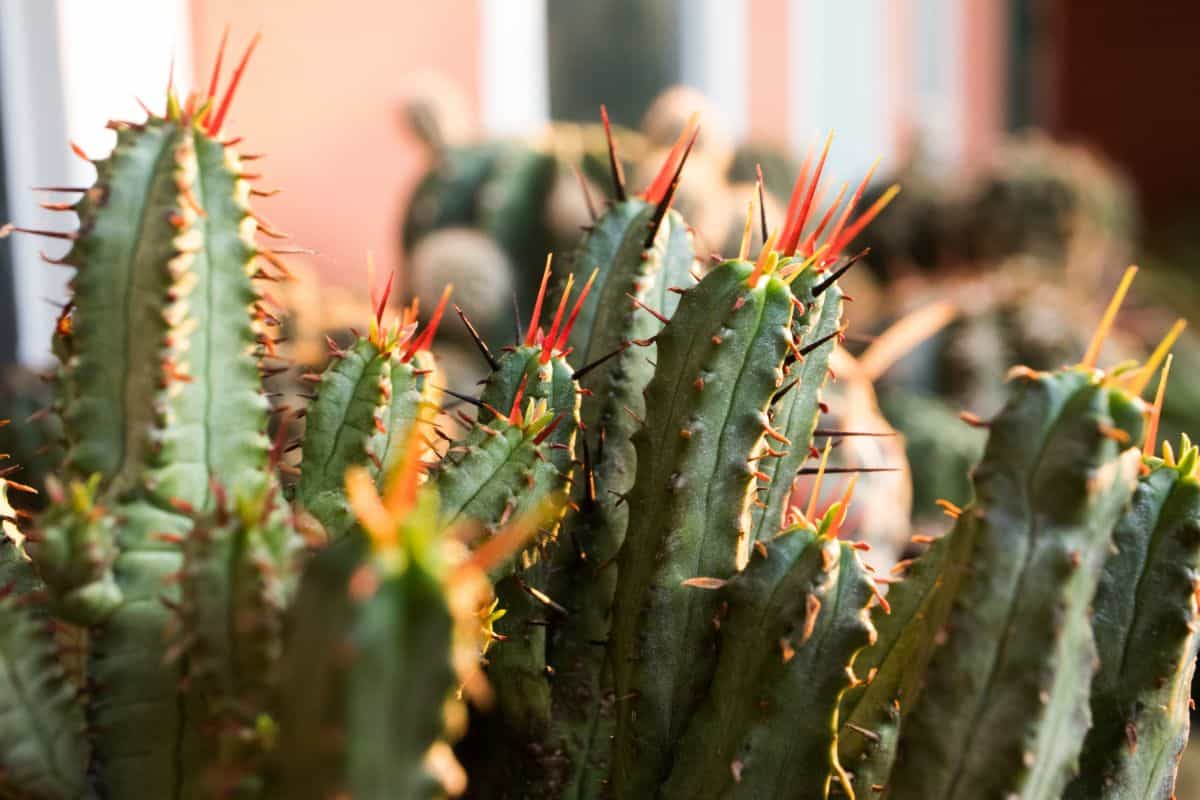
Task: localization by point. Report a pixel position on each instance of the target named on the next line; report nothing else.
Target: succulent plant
(607, 559)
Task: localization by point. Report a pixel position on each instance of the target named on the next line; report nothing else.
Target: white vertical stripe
(940, 81)
(119, 50)
(68, 67)
(35, 151)
(514, 79)
(839, 66)
(714, 53)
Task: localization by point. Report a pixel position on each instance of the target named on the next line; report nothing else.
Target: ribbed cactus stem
(368, 400)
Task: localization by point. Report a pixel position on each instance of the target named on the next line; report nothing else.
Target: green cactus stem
(1055, 472)
(397, 598)
(816, 328)
(368, 399)
(720, 361)
(1145, 626)
(520, 447)
(160, 394)
(1019, 568)
(43, 745)
(235, 584)
(74, 552)
(796, 613)
(645, 260)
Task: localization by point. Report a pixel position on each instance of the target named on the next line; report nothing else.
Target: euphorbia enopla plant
(679, 628)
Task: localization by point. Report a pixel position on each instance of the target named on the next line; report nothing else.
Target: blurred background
(1042, 145)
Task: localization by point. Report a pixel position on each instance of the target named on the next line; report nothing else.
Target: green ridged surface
(161, 395)
(43, 746)
(74, 552)
(1145, 624)
(499, 476)
(214, 425)
(691, 498)
(583, 721)
(365, 677)
(795, 414)
(905, 638)
(120, 290)
(367, 402)
(550, 381)
(235, 585)
(1004, 708)
(795, 615)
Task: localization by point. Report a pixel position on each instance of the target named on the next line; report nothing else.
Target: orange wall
(770, 92)
(985, 29)
(320, 99)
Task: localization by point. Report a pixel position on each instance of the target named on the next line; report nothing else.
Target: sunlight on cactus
(593, 579)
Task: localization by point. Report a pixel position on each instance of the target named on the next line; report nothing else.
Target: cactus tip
(214, 127)
(1092, 354)
(425, 340)
(673, 163)
(551, 336)
(473, 332)
(1141, 377)
(614, 161)
(864, 219)
(767, 260)
(835, 240)
(762, 200)
(565, 333)
(532, 333)
(1156, 411)
(843, 508)
(798, 215)
(514, 413)
(811, 510)
(216, 72)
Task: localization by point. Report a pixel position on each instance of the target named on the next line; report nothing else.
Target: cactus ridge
(75, 551)
(1043, 562)
(519, 452)
(399, 596)
(1145, 637)
(520, 447)
(367, 401)
(612, 406)
(43, 746)
(795, 414)
(160, 394)
(235, 583)
(795, 613)
(377, 593)
(719, 363)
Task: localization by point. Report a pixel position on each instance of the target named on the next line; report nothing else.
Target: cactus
(366, 404)
(800, 605)
(679, 626)
(1145, 634)
(385, 617)
(43, 749)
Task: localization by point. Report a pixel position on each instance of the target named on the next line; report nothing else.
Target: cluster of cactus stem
(601, 553)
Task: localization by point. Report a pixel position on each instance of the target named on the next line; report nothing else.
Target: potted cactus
(601, 553)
